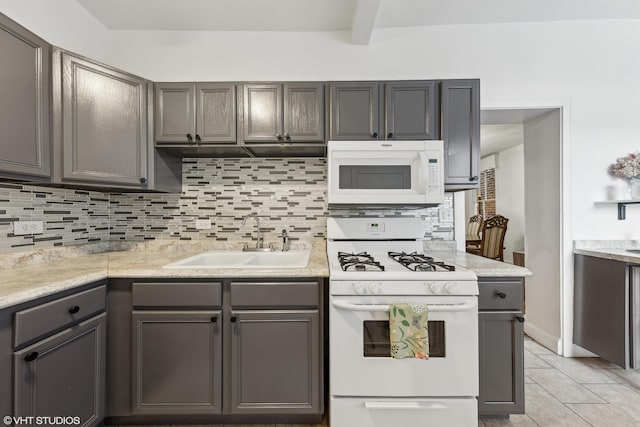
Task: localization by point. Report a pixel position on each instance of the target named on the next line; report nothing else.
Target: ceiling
(360, 17)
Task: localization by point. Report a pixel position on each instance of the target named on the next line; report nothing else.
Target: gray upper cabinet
(177, 362)
(195, 113)
(460, 121)
(100, 123)
(354, 111)
(25, 103)
(63, 375)
(411, 110)
(290, 112)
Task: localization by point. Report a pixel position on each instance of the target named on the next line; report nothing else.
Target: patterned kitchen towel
(408, 330)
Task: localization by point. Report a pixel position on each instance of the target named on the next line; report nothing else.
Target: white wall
(510, 197)
(542, 204)
(63, 23)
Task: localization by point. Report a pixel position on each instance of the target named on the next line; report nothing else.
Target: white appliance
(374, 262)
(385, 172)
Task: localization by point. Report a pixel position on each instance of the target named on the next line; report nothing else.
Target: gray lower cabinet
(24, 104)
(177, 362)
(275, 361)
(100, 123)
(501, 347)
(63, 375)
(460, 131)
(283, 113)
(195, 113)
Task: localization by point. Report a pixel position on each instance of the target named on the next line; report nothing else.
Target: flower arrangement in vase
(628, 167)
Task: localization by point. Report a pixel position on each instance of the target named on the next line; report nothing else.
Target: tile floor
(574, 392)
(562, 392)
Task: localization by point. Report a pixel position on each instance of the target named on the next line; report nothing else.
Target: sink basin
(240, 259)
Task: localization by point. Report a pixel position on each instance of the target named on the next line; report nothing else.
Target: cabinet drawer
(40, 320)
(177, 294)
(498, 295)
(272, 294)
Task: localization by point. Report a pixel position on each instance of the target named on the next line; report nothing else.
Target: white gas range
(374, 262)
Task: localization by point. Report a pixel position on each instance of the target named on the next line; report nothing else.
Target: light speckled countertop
(41, 273)
(483, 267)
(617, 250)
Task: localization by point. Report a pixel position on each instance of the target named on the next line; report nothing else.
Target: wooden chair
(473, 234)
(493, 233)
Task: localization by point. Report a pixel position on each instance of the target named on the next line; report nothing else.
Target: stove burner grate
(419, 262)
(361, 261)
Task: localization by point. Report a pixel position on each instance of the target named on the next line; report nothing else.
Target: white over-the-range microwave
(380, 173)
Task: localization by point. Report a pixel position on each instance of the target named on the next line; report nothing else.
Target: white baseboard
(543, 337)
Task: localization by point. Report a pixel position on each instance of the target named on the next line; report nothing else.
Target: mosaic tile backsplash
(287, 194)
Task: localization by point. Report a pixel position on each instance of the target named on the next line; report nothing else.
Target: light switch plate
(203, 224)
(22, 228)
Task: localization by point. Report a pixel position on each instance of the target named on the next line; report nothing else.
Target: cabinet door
(177, 363)
(411, 110)
(275, 362)
(354, 111)
(175, 112)
(304, 112)
(24, 103)
(64, 375)
(216, 113)
(501, 348)
(460, 131)
(104, 124)
(262, 113)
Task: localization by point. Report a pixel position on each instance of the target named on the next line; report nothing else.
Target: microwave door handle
(423, 171)
(385, 307)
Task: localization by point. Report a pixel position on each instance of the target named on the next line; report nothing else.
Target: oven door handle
(385, 307)
(405, 405)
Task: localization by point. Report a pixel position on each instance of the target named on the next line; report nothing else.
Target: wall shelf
(622, 205)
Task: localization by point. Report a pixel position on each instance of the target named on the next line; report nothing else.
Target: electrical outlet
(203, 224)
(445, 215)
(21, 228)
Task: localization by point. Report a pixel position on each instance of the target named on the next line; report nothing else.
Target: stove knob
(450, 288)
(359, 288)
(374, 288)
(436, 288)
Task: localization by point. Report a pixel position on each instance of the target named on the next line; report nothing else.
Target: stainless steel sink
(239, 259)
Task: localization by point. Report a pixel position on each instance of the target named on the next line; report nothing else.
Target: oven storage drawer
(501, 295)
(38, 321)
(174, 295)
(386, 412)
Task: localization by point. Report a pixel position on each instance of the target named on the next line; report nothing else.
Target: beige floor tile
(546, 411)
(528, 380)
(620, 396)
(536, 348)
(603, 415)
(626, 376)
(481, 423)
(562, 387)
(533, 361)
(596, 362)
(576, 370)
(516, 420)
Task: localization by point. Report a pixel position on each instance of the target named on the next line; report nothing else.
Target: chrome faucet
(259, 240)
(285, 241)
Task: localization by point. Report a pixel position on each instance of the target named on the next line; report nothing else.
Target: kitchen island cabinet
(25, 103)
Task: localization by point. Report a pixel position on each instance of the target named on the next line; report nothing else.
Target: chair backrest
(475, 225)
(493, 233)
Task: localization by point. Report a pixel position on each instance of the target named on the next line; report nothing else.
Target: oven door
(385, 173)
(360, 362)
